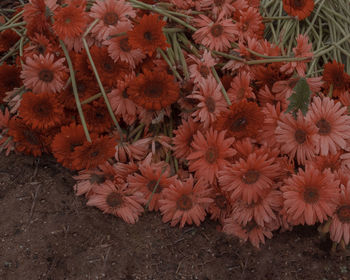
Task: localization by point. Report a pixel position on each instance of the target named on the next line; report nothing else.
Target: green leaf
(300, 99)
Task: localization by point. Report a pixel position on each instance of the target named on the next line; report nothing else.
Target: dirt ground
(46, 232)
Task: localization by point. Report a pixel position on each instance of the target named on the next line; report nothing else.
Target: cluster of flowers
(200, 121)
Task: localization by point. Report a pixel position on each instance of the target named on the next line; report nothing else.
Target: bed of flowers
(234, 110)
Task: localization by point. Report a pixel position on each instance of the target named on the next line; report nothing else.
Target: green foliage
(300, 99)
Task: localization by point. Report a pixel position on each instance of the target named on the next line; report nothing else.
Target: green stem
(216, 76)
(162, 12)
(282, 59)
(182, 58)
(177, 75)
(92, 98)
(109, 108)
(75, 91)
(229, 56)
(12, 25)
(314, 18)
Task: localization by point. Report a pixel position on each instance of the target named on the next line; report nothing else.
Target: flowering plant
(186, 107)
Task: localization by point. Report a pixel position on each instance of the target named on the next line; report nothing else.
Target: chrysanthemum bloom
(92, 154)
(298, 8)
(110, 13)
(335, 78)
(148, 34)
(310, 196)
(183, 138)
(211, 153)
(249, 24)
(296, 137)
(128, 152)
(216, 35)
(40, 110)
(43, 74)
(8, 38)
(27, 140)
(244, 119)
(249, 179)
(340, 226)
(122, 105)
(119, 47)
(109, 71)
(64, 143)
(284, 89)
(154, 178)
(251, 231)
(201, 68)
(303, 49)
(153, 90)
(9, 79)
(69, 21)
(239, 88)
(118, 200)
(262, 212)
(185, 202)
(211, 102)
(332, 122)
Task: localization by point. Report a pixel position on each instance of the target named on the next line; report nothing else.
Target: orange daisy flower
(27, 140)
(91, 154)
(261, 212)
(251, 231)
(39, 44)
(220, 208)
(109, 71)
(244, 119)
(335, 76)
(272, 115)
(310, 196)
(148, 35)
(332, 162)
(9, 79)
(332, 122)
(69, 21)
(298, 8)
(185, 202)
(224, 7)
(201, 68)
(249, 23)
(153, 90)
(183, 138)
(43, 74)
(240, 88)
(35, 15)
(303, 49)
(7, 39)
(249, 179)
(211, 102)
(211, 153)
(119, 200)
(296, 137)
(340, 226)
(110, 13)
(146, 182)
(216, 35)
(97, 117)
(41, 110)
(121, 104)
(119, 47)
(64, 143)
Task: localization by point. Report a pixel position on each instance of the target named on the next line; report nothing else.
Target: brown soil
(47, 232)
